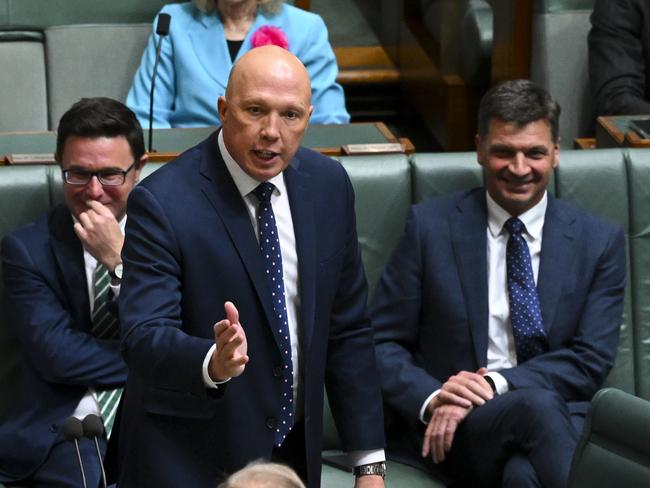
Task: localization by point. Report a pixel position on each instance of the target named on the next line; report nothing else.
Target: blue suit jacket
(195, 64)
(430, 310)
(47, 303)
(190, 246)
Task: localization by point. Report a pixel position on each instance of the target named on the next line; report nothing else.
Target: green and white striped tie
(105, 326)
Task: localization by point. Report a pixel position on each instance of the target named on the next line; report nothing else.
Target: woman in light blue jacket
(205, 37)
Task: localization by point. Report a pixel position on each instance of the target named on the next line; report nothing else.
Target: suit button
(54, 428)
(277, 371)
(270, 422)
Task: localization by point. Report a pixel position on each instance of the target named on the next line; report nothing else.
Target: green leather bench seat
(58, 12)
(638, 162)
(614, 448)
(23, 84)
(612, 183)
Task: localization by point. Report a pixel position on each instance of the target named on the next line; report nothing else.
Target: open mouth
(265, 155)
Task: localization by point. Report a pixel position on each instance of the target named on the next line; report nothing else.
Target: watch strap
(378, 469)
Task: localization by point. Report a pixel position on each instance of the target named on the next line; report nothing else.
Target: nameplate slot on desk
(379, 148)
(34, 158)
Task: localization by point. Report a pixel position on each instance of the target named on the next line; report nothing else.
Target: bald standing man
(243, 295)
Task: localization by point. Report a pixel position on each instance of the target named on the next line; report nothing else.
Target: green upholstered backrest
(436, 174)
(558, 62)
(549, 6)
(59, 12)
(382, 186)
(23, 92)
(598, 182)
(639, 278)
(24, 196)
(614, 448)
(91, 60)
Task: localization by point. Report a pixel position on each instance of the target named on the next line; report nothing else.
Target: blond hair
(268, 6)
(263, 474)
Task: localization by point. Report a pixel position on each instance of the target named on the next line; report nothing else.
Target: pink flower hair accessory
(269, 35)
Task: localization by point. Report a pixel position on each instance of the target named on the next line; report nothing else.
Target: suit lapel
(468, 226)
(222, 193)
(68, 253)
(558, 251)
(302, 214)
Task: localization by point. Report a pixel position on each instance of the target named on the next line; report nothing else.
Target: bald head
(265, 110)
(269, 61)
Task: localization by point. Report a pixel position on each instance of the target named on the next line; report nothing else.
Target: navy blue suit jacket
(48, 308)
(190, 246)
(430, 310)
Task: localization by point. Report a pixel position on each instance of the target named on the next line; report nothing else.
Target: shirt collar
(532, 218)
(243, 181)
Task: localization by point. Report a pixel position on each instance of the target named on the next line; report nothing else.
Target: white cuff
(500, 383)
(209, 382)
(115, 289)
(423, 409)
(359, 458)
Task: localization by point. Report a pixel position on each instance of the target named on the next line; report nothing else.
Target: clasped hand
(457, 397)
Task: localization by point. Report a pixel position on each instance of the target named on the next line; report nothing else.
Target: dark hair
(100, 117)
(518, 102)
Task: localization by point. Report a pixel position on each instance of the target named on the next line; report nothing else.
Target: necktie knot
(514, 226)
(264, 191)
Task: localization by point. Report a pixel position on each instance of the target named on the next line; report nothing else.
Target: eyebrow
(506, 147)
(76, 167)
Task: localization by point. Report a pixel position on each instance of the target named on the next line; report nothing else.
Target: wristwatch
(116, 274)
(378, 469)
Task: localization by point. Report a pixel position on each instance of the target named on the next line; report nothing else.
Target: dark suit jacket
(47, 303)
(430, 310)
(619, 56)
(190, 246)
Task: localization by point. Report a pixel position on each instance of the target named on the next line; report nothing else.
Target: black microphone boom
(93, 428)
(73, 431)
(162, 29)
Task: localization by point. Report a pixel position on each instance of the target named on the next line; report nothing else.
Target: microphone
(93, 427)
(162, 29)
(73, 431)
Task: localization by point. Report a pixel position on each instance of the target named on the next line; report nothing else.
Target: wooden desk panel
(326, 139)
(614, 131)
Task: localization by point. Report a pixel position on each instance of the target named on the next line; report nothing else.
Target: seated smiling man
(497, 317)
(60, 275)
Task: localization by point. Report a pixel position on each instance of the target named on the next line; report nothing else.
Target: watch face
(118, 271)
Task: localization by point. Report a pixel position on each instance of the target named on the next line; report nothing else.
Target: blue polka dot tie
(525, 312)
(270, 248)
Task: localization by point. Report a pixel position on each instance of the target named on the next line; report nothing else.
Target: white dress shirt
(282, 212)
(88, 404)
(501, 353)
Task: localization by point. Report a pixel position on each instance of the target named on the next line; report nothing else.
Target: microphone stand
(162, 29)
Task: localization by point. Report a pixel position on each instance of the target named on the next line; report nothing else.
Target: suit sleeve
(57, 347)
(165, 89)
(395, 314)
(327, 95)
(351, 374)
(617, 67)
(578, 369)
(154, 343)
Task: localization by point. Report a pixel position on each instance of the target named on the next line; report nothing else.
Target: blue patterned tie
(271, 253)
(105, 326)
(525, 312)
